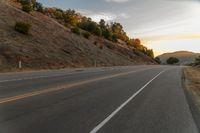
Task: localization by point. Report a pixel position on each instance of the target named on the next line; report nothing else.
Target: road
(131, 99)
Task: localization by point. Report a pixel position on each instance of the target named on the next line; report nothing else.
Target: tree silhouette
(172, 60)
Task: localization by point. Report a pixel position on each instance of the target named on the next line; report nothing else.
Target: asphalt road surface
(132, 99)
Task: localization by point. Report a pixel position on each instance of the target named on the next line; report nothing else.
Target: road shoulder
(191, 85)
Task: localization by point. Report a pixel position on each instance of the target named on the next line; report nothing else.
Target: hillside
(51, 45)
(185, 57)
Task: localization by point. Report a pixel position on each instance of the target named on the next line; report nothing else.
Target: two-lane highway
(141, 99)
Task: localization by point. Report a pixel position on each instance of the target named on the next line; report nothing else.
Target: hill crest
(185, 57)
(50, 45)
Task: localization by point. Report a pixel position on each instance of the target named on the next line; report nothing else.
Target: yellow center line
(44, 91)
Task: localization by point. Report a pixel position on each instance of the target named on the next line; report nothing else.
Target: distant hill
(52, 45)
(185, 57)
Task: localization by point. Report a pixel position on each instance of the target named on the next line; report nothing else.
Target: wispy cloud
(107, 16)
(172, 37)
(117, 1)
(151, 20)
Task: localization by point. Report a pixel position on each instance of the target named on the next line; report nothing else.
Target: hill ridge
(51, 46)
(185, 57)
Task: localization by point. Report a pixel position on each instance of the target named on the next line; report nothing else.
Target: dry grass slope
(193, 82)
(50, 45)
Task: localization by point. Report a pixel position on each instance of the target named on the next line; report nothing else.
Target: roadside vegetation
(22, 27)
(30, 5)
(75, 21)
(197, 61)
(157, 59)
(192, 75)
(172, 60)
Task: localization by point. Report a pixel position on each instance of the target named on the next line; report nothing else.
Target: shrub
(58, 14)
(157, 59)
(22, 27)
(86, 35)
(197, 61)
(98, 31)
(27, 8)
(76, 30)
(25, 2)
(172, 60)
(38, 7)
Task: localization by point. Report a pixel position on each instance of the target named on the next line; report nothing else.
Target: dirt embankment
(50, 45)
(192, 75)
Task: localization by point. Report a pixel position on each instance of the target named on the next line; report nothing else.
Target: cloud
(117, 1)
(107, 16)
(172, 37)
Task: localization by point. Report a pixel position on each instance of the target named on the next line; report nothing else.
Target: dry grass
(50, 45)
(193, 81)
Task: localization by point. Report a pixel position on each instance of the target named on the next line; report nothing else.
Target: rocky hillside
(185, 57)
(51, 45)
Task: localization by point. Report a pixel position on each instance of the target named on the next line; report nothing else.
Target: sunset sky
(163, 25)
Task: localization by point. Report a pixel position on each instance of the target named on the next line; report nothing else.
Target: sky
(163, 25)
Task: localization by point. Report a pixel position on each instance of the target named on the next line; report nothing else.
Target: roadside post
(19, 62)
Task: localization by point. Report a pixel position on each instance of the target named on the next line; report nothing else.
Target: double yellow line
(62, 87)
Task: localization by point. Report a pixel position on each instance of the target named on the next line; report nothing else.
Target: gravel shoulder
(191, 83)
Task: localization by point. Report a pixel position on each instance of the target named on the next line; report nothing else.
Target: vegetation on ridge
(70, 18)
(172, 60)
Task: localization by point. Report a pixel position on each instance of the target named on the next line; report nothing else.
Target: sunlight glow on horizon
(163, 25)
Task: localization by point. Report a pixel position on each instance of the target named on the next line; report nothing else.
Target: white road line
(99, 126)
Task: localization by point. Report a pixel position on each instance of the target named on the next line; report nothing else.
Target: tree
(102, 24)
(136, 43)
(38, 7)
(98, 31)
(91, 26)
(27, 8)
(172, 60)
(197, 61)
(27, 5)
(118, 32)
(157, 59)
(58, 14)
(107, 34)
(25, 2)
(71, 17)
(149, 52)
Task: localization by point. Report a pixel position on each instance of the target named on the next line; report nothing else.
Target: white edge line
(100, 125)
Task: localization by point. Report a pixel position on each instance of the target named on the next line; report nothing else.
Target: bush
(38, 7)
(172, 60)
(157, 59)
(25, 2)
(27, 8)
(197, 61)
(86, 35)
(98, 31)
(76, 30)
(22, 27)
